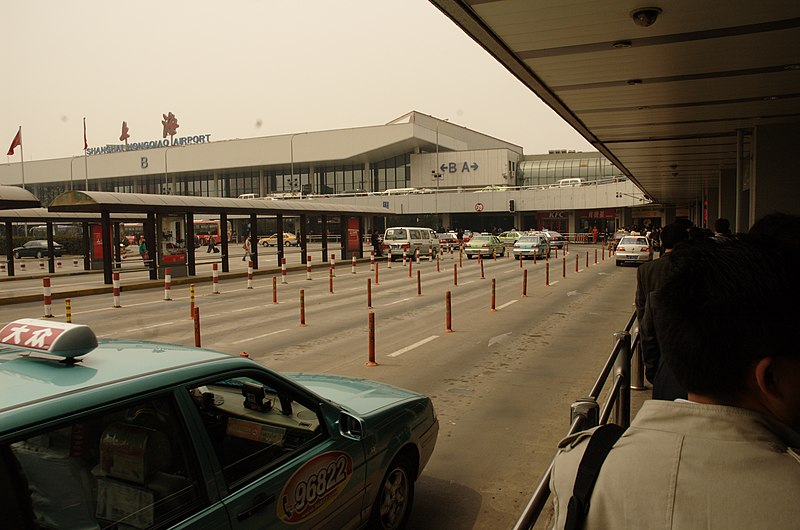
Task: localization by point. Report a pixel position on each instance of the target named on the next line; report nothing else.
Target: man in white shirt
(726, 457)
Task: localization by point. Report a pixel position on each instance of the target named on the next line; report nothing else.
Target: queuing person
(727, 456)
(722, 229)
(649, 277)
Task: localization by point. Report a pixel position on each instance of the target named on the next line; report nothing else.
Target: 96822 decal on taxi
(117, 433)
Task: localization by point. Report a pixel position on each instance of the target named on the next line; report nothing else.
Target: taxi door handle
(261, 502)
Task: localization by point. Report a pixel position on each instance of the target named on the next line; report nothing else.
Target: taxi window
(254, 427)
(131, 467)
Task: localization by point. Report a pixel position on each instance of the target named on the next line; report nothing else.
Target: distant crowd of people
(717, 446)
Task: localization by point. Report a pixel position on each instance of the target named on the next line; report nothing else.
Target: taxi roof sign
(54, 338)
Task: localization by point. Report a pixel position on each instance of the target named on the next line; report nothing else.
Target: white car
(634, 249)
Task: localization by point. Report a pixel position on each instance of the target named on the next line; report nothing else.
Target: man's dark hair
(723, 306)
(779, 225)
(674, 233)
(722, 226)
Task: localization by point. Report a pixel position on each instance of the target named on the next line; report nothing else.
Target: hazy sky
(246, 68)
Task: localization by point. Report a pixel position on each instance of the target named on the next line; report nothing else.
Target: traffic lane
(503, 413)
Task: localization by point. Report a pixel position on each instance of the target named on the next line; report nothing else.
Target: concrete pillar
(773, 182)
(368, 177)
(726, 195)
(215, 192)
(262, 183)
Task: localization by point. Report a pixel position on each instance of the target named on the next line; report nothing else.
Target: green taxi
(132, 434)
(484, 245)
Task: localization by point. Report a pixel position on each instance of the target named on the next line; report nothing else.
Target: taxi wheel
(392, 507)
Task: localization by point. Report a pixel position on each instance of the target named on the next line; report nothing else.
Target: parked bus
(203, 229)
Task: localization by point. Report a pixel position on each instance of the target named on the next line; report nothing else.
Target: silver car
(634, 249)
(529, 246)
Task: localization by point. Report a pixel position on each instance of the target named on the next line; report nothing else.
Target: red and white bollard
(480, 262)
(371, 260)
(404, 257)
(68, 310)
(353, 264)
(167, 283)
(333, 265)
(377, 272)
(283, 270)
(308, 267)
(274, 289)
(196, 318)
(493, 295)
(448, 314)
(455, 275)
(249, 274)
(369, 293)
(371, 361)
(430, 252)
(115, 280)
(524, 282)
(302, 308)
(48, 298)
(330, 282)
(214, 278)
(416, 255)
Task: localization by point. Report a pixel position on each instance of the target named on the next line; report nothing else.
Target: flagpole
(85, 157)
(22, 159)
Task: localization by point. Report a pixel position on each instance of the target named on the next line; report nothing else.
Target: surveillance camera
(645, 16)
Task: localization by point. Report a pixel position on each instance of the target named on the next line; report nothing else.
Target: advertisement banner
(352, 234)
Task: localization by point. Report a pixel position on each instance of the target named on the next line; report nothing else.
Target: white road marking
(149, 327)
(417, 344)
(259, 336)
(554, 282)
(572, 293)
(397, 302)
(506, 304)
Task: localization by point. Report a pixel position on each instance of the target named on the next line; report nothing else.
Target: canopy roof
(43, 215)
(14, 197)
(103, 201)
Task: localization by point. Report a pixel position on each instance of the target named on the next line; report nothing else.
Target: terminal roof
(103, 201)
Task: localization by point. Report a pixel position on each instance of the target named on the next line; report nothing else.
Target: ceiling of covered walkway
(663, 102)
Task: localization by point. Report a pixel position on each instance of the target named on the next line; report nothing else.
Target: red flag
(17, 141)
(85, 144)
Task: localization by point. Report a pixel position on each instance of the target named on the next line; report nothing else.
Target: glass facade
(332, 179)
(546, 172)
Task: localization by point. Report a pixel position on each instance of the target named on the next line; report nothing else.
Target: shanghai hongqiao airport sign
(170, 123)
(152, 144)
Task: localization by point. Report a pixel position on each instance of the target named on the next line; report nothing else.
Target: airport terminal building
(482, 182)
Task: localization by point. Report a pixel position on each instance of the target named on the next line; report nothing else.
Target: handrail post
(622, 369)
(589, 409)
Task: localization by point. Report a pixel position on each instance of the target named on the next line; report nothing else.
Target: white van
(568, 183)
(410, 238)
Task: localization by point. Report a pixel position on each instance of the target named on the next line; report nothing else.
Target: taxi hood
(359, 395)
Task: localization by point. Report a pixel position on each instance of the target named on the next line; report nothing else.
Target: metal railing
(586, 412)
